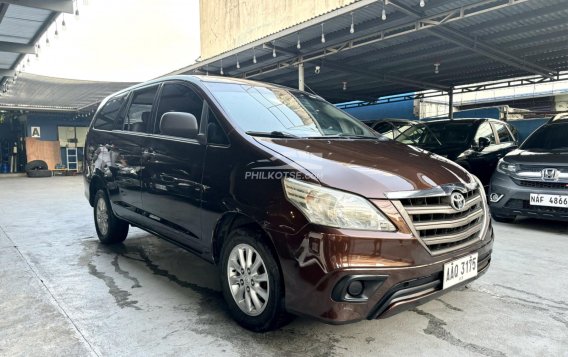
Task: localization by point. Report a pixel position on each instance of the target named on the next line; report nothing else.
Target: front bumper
(516, 200)
(406, 273)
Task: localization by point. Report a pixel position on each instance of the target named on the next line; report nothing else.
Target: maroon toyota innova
(305, 210)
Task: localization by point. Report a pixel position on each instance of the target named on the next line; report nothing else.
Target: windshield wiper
(271, 134)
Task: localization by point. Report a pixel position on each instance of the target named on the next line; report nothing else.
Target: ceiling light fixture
(221, 71)
(253, 56)
(344, 86)
(238, 64)
(274, 49)
(352, 28)
(322, 34)
(298, 44)
(436, 68)
(422, 3)
(384, 12)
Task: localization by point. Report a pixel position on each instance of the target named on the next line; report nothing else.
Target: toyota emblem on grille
(458, 201)
(550, 174)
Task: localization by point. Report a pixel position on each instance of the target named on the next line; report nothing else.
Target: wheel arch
(96, 184)
(233, 220)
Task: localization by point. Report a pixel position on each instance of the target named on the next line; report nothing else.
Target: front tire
(110, 228)
(251, 282)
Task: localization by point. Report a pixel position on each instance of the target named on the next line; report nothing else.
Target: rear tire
(503, 219)
(110, 228)
(251, 282)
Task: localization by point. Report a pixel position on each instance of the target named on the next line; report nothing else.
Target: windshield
(548, 138)
(438, 134)
(280, 112)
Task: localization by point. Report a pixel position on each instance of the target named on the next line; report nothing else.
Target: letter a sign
(36, 133)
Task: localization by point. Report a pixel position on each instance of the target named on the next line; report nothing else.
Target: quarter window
(107, 115)
(503, 133)
(485, 131)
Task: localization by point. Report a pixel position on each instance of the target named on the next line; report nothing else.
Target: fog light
(495, 197)
(355, 288)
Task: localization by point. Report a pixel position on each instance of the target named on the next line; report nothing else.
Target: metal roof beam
(384, 77)
(51, 5)
(16, 47)
(455, 36)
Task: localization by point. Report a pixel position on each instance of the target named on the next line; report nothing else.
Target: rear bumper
(516, 200)
(400, 274)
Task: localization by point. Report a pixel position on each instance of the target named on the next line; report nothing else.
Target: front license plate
(460, 270)
(538, 199)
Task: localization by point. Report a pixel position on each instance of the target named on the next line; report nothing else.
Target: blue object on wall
(527, 126)
(494, 113)
(396, 110)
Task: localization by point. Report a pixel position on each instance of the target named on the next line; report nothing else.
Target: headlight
(506, 168)
(335, 208)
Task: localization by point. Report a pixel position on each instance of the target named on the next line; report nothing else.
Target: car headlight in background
(334, 208)
(507, 168)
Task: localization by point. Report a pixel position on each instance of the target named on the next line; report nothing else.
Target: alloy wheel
(248, 279)
(102, 216)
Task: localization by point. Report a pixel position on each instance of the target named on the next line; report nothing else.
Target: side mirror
(179, 124)
(483, 143)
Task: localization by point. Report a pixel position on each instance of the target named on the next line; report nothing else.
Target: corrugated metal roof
(531, 31)
(36, 92)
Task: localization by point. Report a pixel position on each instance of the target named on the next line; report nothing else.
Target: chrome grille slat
(441, 227)
(452, 238)
(450, 223)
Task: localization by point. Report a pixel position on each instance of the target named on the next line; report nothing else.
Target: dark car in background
(533, 180)
(475, 144)
(391, 128)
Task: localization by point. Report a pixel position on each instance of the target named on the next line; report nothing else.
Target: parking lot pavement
(62, 293)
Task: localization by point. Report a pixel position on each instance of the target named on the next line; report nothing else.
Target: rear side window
(503, 133)
(138, 115)
(108, 114)
(177, 97)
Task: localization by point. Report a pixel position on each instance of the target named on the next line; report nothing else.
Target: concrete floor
(61, 293)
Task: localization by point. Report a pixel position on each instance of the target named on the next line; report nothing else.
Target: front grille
(532, 168)
(440, 226)
(542, 184)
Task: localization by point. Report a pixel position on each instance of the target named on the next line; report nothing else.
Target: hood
(369, 168)
(547, 158)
